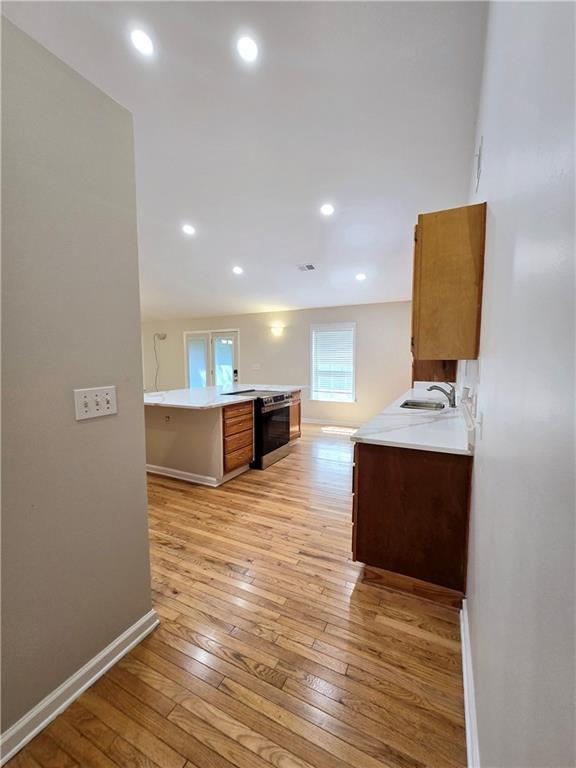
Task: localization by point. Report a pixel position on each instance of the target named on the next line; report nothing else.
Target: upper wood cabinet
(447, 291)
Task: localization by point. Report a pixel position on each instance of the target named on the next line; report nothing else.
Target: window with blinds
(333, 362)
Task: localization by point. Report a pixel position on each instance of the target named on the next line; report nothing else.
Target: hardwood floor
(270, 652)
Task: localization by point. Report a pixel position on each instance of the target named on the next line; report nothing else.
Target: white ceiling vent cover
(306, 267)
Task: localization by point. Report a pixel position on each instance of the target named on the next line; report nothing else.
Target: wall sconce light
(277, 330)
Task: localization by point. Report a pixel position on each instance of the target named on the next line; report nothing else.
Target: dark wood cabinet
(447, 286)
(434, 370)
(410, 512)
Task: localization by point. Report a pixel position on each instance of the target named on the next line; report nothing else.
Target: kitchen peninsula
(208, 435)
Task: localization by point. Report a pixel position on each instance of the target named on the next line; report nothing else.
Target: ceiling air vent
(306, 267)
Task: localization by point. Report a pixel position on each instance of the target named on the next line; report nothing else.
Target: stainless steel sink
(424, 405)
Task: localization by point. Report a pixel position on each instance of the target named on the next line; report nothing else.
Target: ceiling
(370, 106)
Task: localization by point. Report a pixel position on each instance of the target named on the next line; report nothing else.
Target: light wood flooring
(270, 651)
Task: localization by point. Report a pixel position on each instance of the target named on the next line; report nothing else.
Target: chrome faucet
(451, 395)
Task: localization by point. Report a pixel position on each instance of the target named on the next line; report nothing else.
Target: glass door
(211, 358)
(225, 357)
(198, 359)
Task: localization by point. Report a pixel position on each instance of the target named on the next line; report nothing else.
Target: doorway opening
(211, 358)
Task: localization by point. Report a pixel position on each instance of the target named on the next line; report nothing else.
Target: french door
(211, 358)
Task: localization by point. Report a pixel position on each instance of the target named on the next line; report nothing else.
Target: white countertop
(201, 398)
(443, 431)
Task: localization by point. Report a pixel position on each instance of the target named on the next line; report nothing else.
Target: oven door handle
(274, 407)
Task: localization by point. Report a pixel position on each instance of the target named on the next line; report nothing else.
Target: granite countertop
(444, 431)
(201, 398)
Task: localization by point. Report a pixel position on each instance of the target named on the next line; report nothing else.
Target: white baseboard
(332, 422)
(19, 734)
(190, 477)
(472, 745)
(179, 474)
(234, 473)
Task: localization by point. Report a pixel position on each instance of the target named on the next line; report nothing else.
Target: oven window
(275, 429)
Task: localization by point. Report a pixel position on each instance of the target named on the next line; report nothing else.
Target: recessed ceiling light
(237, 270)
(188, 229)
(247, 49)
(142, 42)
(360, 276)
(327, 209)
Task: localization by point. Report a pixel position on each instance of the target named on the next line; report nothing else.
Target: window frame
(348, 326)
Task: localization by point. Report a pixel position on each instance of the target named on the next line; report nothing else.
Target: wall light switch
(480, 425)
(256, 366)
(94, 402)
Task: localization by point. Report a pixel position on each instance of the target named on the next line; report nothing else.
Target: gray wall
(383, 359)
(75, 571)
(521, 569)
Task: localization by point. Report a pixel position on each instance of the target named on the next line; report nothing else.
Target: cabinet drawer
(237, 409)
(237, 424)
(240, 440)
(238, 458)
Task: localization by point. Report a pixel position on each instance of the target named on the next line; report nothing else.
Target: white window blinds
(333, 362)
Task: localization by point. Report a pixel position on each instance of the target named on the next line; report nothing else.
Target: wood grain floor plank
(47, 753)
(271, 650)
(162, 728)
(243, 747)
(217, 656)
(78, 746)
(123, 723)
(24, 760)
(333, 735)
(414, 740)
(115, 747)
(306, 750)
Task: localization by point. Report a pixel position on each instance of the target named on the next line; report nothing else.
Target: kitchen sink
(424, 405)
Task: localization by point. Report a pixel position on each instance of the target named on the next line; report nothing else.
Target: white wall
(75, 571)
(521, 561)
(383, 353)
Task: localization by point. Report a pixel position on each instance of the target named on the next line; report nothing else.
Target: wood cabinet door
(447, 284)
(411, 512)
(295, 419)
(355, 502)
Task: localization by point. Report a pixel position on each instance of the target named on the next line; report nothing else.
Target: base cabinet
(295, 416)
(238, 435)
(410, 513)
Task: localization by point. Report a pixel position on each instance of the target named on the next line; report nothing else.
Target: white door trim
(210, 353)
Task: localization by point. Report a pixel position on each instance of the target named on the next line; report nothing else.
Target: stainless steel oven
(271, 429)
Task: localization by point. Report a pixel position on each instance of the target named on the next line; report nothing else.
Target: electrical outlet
(94, 402)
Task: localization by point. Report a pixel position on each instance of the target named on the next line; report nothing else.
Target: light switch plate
(95, 402)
